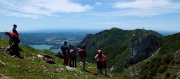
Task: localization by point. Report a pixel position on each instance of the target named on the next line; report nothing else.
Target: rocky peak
(143, 44)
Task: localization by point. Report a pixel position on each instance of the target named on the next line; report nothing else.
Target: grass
(32, 67)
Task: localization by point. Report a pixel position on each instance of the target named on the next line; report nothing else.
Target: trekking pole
(8, 48)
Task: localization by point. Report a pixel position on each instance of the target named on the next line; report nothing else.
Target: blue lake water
(45, 47)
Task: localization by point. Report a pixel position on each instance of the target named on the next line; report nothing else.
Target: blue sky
(30, 15)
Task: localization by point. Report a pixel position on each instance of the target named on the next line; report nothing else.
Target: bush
(166, 59)
(162, 68)
(177, 61)
(154, 71)
(167, 75)
(173, 77)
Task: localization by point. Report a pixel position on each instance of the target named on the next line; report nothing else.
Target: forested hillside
(123, 47)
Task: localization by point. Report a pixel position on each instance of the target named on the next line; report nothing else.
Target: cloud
(146, 7)
(98, 3)
(41, 7)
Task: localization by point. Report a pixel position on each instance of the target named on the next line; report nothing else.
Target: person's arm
(10, 41)
(95, 58)
(104, 55)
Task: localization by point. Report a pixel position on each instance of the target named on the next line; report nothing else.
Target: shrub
(177, 61)
(167, 75)
(162, 68)
(166, 59)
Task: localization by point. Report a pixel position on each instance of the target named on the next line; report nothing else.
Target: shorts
(99, 64)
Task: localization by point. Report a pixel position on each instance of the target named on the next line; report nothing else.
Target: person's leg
(70, 62)
(84, 63)
(105, 69)
(75, 62)
(17, 50)
(14, 49)
(100, 68)
(67, 62)
(64, 62)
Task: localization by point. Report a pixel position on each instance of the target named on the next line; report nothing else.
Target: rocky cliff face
(164, 64)
(143, 45)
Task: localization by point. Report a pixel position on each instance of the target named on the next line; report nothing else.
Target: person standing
(83, 55)
(72, 55)
(64, 50)
(104, 63)
(14, 29)
(13, 41)
(99, 59)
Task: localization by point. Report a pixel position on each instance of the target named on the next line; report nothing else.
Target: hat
(14, 25)
(99, 51)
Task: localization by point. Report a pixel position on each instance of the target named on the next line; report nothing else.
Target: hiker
(14, 29)
(83, 55)
(104, 63)
(13, 41)
(72, 55)
(99, 59)
(64, 50)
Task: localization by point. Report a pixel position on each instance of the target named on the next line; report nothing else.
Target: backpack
(104, 62)
(60, 55)
(81, 53)
(49, 59)
(72, 53)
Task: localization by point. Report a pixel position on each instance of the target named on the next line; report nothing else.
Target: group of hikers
(69, 56)
(14, 41)
(68, 51)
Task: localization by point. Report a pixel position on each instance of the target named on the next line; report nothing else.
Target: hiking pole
(8, 48)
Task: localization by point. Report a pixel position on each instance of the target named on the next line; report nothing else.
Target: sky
(34, 15)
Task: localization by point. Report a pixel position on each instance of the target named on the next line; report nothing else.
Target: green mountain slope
(164, 64)
(123, 47)
(33, 67)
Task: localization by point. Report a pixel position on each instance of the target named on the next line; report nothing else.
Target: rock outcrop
(143, 45)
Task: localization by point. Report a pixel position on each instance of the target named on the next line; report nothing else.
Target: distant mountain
(63, 31)
(123, 47)
(166, 33)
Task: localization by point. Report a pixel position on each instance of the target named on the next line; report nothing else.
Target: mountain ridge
(161, 62)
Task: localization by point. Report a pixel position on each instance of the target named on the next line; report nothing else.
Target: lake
(45, 47)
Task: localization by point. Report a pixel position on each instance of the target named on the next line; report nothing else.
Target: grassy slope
(32, 67)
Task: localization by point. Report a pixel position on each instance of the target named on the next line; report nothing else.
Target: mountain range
(131, 54)
(126, 48)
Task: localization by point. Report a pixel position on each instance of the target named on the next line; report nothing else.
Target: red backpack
(104, 63)
(80, 51)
